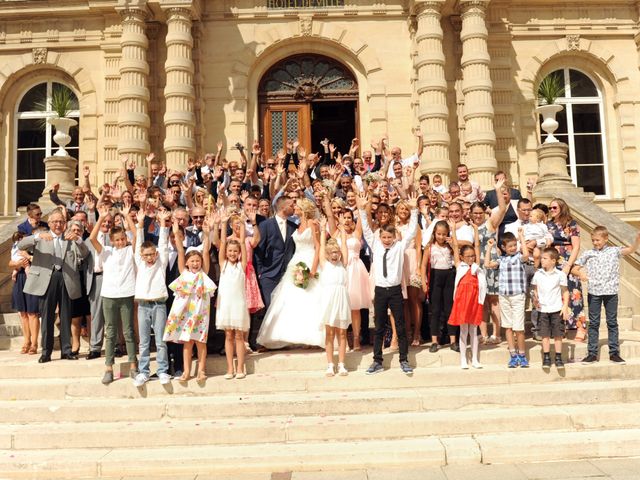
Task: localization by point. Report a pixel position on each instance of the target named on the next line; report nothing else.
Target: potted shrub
(62, 102)
(551, 87)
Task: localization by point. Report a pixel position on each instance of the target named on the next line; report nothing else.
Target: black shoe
(68, 356)
(559, 362)
(433, 348)
(590, 359)
(92, 355)
(44, 359)
(546, 362)
(118, 353)
(615, 358)
(455, 347)
(75, 352)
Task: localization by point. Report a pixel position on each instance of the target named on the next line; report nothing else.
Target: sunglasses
(196, 217)
(554, 208)
(271, 165)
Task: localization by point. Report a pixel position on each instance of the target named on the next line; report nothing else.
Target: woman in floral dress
(566, 239)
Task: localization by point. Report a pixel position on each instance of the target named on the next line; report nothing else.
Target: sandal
(184, 378)
(202, 376)
(415, 343)
(33, 350)
(25, 347)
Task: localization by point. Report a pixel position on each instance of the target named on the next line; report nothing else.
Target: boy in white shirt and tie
(388, 260)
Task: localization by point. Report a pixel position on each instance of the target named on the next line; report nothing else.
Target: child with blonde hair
(535, 234)
(335, 298)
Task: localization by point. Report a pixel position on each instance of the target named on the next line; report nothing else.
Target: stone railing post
(133, 94)
(480, 137)
(433, 112)
(179, 92)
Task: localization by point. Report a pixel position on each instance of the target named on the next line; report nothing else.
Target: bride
(293, 316)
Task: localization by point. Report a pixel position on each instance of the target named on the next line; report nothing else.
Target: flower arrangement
(302, 275)
(372, 177)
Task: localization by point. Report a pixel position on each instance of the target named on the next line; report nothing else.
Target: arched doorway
(308, 97)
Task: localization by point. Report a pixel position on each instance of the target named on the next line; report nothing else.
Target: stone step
(14, 365)
(319, 404)
(289, 428)
(315, 456)
(90, 387)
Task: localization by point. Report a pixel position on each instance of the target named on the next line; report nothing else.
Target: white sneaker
(464, 366)
(140, 379)
(165, 378)
(330, 372)
(342, 371)
(476, 365)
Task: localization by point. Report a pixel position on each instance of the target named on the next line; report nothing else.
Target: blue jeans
(611, 311)
(152, 315)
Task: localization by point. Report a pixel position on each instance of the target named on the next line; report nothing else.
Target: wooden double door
(285, 122)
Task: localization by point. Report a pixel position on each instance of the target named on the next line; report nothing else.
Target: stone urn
(549, 123)
(62, 137)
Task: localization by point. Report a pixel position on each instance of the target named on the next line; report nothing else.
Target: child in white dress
(232, 314)
(335, 299)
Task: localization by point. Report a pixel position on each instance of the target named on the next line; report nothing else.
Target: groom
(272, 255)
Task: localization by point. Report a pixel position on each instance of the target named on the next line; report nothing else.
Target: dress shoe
(44, 359)
(69, 356)
(92, 355)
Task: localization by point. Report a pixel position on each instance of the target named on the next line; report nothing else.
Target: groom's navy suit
(272, 255)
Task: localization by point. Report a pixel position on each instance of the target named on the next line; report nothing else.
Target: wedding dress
(293, 317)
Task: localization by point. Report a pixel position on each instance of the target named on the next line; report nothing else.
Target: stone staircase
(58, 421)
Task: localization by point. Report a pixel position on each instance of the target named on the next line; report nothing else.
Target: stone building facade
(176, 76)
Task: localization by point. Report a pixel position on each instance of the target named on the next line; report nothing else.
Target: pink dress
(357, 277)
(252, 290)
(410, 275)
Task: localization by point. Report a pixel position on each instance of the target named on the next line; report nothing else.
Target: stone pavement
(600, 469)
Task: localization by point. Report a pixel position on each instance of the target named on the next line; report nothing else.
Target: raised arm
(488, 263)
(418, 133)
(323, 241)
(222, 251)
(632, 248)
(179, 241)
(93, 237)
(140, 234)
(498, 214)
(454, 243)
(523, 244)
(206, 245)
(343, 242)
(243, 244)
(361, 202)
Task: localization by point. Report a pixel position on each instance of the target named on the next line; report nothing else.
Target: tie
(384, 263)
(57, 250)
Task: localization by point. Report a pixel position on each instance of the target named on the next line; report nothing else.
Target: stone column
(552, 171)
(433, 112)
(480, 137)
(179, 92)
(133, 94)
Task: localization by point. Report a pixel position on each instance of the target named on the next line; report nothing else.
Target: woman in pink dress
(357, 275)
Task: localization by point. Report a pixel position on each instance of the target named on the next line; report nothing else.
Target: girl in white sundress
(336, 311)
(232, 314)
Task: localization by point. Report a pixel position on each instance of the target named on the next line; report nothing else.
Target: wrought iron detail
(306, 78)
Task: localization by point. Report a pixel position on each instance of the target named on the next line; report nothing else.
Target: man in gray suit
(94, 287)
(55, 278)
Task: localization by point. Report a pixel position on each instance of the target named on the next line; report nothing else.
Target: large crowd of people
(294, 250)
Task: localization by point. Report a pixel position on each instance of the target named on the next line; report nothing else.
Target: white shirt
(536, 231)
(395, 256)
(119, 274)
(406, 162)
(282, 224)
(549, 289)
(465, 233)
(151, 279)
(97, 261)
(513, 228)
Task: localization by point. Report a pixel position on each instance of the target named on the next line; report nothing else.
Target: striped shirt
(512, 279)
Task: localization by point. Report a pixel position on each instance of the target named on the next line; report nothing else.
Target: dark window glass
(28, 192)
(30, 164)
(588, 149)
(581, 85)
(31, 134)
(591, 179)
(37, 94)
(586, 118)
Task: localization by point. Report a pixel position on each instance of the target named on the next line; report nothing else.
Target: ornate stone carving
(39, 55)
(573, 42)
(306, 25)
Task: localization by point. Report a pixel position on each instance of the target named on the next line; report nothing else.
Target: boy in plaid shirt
(512, 287)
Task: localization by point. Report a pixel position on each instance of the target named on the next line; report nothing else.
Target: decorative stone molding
(478, 113)
(39, 55)
(573, 42)
(431, 87)
(179, 92)
(133, 104)
(306, 25)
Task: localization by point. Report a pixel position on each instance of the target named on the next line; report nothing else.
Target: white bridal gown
(294, 316)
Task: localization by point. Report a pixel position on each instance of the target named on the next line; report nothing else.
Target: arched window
(582, 128)
(34, 139)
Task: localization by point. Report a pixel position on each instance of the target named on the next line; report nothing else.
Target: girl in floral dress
(188, 320)
(566, 239)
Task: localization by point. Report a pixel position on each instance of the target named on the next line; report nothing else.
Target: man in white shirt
(388, 260)
(412, 161)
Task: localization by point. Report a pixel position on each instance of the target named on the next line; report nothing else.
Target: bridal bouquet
(302, 275)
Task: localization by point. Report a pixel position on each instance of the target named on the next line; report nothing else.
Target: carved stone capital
(133, 15)
(428, 6)
(306, 25)
(471, 5)
(39, 55)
